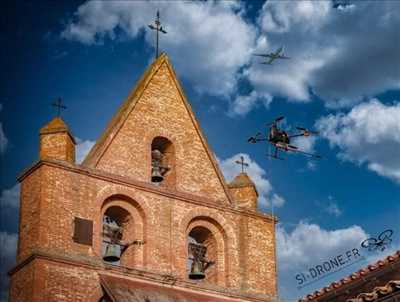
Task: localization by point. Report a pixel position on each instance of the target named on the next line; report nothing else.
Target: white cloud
(10, 197)
(368, 134)
(328, 47)
(207, 41)
(308, 245)
(257, 175)
(283, 16)
(333, 209)
(305, 143)
(294, 25)
(211, 43)
(277, 201)
(3, 138)
(8, 244)
(244, 103)
(82, 149)
(330, 206)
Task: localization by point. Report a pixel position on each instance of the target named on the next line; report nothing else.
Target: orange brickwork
(115, 177)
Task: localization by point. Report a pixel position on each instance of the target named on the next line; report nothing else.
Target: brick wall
(161, 221)
(117, 174)
(160, 111)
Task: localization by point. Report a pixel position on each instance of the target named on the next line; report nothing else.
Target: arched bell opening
(128, 215)
(163, 162)
(118, 235)
(202, 255)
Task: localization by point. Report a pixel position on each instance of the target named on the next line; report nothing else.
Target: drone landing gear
(310, 155)
(275, 155)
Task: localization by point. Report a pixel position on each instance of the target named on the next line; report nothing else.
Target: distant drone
(278, 54)
(280, 139)
(379, 243)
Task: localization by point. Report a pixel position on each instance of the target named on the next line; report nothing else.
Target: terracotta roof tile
(378, 292)
(56, 125)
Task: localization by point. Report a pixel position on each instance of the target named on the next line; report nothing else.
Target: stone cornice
(186, 197)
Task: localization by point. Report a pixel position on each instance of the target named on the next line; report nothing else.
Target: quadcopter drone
(280, 139)
(379, 243)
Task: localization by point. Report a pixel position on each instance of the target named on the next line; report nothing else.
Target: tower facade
(152, 177)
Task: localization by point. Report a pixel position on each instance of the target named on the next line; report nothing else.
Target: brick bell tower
(146, 217)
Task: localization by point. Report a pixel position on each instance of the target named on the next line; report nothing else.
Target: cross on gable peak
(158, 28)
(242, 163)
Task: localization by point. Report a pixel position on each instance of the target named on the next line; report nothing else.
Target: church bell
(156, 174)
(113, 252)
(197, 270)
(157, 169)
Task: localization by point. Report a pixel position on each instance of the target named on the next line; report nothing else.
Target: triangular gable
(106, 139)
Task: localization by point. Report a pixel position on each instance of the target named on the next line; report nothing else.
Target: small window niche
(163, 162)
(83, 231)
(202, 255)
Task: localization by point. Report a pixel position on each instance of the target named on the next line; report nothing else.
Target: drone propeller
(254, 139)
(279, 118)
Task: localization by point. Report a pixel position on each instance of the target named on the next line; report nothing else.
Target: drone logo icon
(379, 243)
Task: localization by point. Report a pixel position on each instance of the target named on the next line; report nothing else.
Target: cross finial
(158, 28)
(58, 104)
(242, 163)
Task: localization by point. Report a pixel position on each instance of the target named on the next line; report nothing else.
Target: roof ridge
(92, 158)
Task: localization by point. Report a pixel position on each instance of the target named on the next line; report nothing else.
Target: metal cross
(59, 106)
(242, 163)
(157, 28)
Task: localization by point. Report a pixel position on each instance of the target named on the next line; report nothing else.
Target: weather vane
(58, 104)
(158, 28)
(242, 163)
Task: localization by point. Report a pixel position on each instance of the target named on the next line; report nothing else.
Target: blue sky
(343, 79)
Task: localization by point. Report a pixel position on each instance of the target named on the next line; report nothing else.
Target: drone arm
(296, 135)
(256, 139)
(306, 153)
